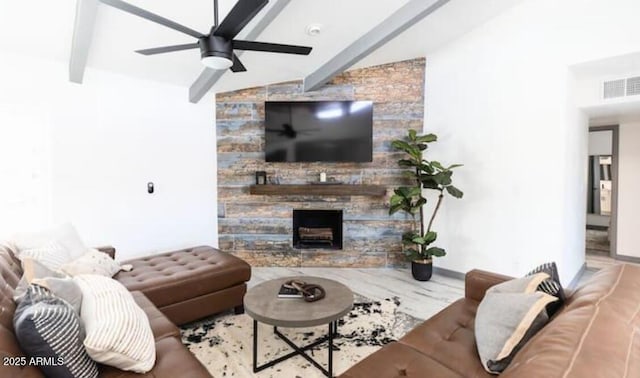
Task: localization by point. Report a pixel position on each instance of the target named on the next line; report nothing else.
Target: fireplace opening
(317, 229)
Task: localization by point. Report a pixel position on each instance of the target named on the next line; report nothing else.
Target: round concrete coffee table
(263, 305)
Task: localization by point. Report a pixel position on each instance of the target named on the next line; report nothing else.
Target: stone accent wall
(258, 228)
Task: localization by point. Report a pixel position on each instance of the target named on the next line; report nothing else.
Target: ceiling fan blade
(237, 65)
(271, 47)
(243, 12)
(126, 7)
(166, 49)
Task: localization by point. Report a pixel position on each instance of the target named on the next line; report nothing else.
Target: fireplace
(317, 229)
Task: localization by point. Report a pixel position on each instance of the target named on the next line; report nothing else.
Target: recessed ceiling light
(314, 29)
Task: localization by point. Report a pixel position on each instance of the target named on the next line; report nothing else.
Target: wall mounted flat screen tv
(327, 131)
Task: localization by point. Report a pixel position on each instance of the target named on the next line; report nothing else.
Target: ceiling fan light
(217, 62)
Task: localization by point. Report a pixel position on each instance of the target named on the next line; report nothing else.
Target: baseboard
(448, 273)
(576, 278)
(629, 259)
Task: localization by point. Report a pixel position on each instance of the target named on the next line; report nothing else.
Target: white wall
(502, 99)
(108, 138)
(629, 190)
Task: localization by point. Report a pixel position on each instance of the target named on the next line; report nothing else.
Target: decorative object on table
(426, 175)
(223, 342)
(323, 177)
(289, 291)
(301, 289)
(261, 177)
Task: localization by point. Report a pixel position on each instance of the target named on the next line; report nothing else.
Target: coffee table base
(297, 350)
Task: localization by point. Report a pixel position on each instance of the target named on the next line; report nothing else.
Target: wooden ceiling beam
(402, 19)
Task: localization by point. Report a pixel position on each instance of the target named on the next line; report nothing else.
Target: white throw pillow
(118, 330)
(52, 255)
(64, 235)
(92, 262)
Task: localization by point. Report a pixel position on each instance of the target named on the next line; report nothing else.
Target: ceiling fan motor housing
(213, 45)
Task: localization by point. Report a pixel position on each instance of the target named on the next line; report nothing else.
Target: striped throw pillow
(52, 255)
(550, 286)
(118, 330)
(47, 327)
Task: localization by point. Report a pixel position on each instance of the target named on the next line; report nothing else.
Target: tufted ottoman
(189, 284)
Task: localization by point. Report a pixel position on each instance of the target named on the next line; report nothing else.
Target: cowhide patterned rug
(224, 343)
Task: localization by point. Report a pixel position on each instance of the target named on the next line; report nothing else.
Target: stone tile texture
(258, 228)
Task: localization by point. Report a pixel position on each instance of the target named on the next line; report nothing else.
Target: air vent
(633, 86)
(613, 88)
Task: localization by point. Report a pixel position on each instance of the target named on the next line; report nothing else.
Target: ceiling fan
(216, 48)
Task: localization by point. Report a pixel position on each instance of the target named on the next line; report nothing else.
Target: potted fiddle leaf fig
(424, 174)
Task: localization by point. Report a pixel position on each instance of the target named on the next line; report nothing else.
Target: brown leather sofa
(174, 287)
(595, 335)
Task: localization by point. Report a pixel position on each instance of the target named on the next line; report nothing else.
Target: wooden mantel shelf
(319, 190)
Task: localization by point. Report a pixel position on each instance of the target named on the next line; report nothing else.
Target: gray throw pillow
(505, 322)
(34, 272)
(528, 284)
(47, 327)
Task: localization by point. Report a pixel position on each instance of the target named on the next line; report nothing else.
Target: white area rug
(224, 343)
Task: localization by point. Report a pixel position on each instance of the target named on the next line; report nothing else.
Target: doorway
(602, 192)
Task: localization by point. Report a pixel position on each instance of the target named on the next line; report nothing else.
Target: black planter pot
(422, 270)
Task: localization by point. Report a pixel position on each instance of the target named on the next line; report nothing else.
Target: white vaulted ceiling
(44, 28)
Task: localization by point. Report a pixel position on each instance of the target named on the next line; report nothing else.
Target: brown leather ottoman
(189, 284)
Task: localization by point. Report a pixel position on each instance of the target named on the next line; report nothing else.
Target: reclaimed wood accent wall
(258, 228)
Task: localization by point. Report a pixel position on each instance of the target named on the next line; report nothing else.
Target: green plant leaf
(395, 200)
(455, 192)
(394, 209)
(419, 240)
(415, 191)
(408, 236)
(435, 251)
(421, 201)
(428, 182)
(402, 145)
(412, 135)
(430, 237)
(443, 178)
(412, 254)
(428, 138)
(437, 165)
(426, 167)
(403, 191)
(422, 146)
(452, 166)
